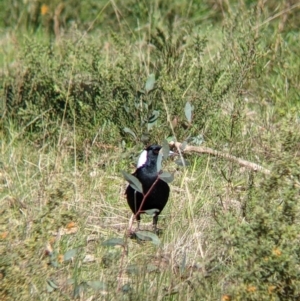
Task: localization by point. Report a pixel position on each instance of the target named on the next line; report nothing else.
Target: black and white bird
(147, 173)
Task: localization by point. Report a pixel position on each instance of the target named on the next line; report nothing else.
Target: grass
(46, 204)
(229, 233)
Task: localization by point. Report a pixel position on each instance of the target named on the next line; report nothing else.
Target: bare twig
(210, 151)
(143, 201)
(287, 10)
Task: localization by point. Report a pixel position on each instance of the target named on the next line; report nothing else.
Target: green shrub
(258, 245)
(78, 84)
(228, 234)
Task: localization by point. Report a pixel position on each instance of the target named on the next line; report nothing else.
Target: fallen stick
(210, 151)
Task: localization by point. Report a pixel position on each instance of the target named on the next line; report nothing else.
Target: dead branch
(207, 150)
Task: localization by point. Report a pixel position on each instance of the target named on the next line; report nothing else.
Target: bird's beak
(172, 154)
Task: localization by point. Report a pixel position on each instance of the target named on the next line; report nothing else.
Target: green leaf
(129, 131)
(55, 263)
(167, 177)
(144, 106)
(165, 149)
(154, 116)
(53, 260)
(70, 254)
(133, 181)
(50, 289)
(183, 145)
(151, 212)
(71, 281)
(113, 242)
(51, 286)
(52, 283)
(182, 266)
(146, 235)
(159, 160)
(126, 288)
(188, 109)
(197, 140)
(78, 289)
(145, 138)
(150, 82)
(152, 121)
(132, 269)
(97, 285)
(151, 268)
(151, 125)
(171, 139)
(182, 162)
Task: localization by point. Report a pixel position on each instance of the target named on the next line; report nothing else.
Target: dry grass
(61, 200)
(51, 205)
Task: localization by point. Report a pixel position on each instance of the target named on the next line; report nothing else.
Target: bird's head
(149, 155)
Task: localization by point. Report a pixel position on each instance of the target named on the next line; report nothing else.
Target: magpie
(147, 173)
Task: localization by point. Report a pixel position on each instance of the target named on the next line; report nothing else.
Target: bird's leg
(138, 217)
(138, 220)
(155, 220)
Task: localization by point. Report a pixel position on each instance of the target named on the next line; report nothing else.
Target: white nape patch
(142, 159)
